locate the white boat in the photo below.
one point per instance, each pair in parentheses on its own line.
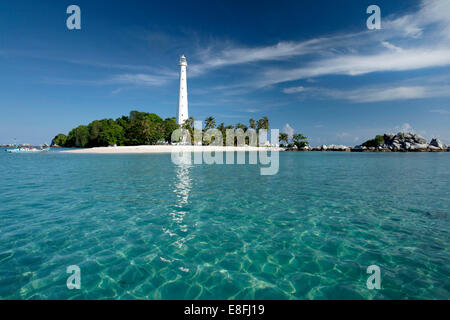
(27,150)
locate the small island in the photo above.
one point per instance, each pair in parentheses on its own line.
(142,132)
(389,142)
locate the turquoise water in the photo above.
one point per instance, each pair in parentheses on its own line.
(140,227)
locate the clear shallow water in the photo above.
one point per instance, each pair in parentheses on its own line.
(140,227)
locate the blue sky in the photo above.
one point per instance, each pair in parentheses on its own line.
(313,65)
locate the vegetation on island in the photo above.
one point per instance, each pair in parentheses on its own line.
(298,140)
(376,142)
(142,128)
(139,128)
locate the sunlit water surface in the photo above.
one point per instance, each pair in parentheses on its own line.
(140,227)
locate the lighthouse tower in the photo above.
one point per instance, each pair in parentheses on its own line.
(182,98)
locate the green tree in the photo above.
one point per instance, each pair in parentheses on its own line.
(259,125)
(252,123)
(111,133)
(59,140)
(284,137)
(210,123)
(262,124)
(266,123)
(299,140)
(221,127)
(241,126)
(170,125)
(189,125)
(106,132)
(95,128)
(378,141)
(144,128)
(78,137)
(123,121)
(224,133)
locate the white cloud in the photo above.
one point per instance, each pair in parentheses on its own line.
(294,90)
(407,25)
(389,94)
(213,58)
(390,46)
(350,54)
(400,46)
(440,111)
(406,127)
(361,64)
(343,134)
(432,13)
(140,79)
(378,94)
(117,91)
(289,130)
(216,57)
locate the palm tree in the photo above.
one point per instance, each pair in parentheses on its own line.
(284,137)
(222,128)
(260,124)
(252,123)
(241,126)
(210,123)
(189,123)
(224,133)
(300,140)
(266,123)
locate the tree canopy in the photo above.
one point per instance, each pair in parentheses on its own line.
(136,129)
(378,141)
(142,128)
(59,140)
(299,140)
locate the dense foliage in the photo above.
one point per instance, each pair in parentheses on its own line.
(378,141)
(136,129)
(59,140)
(142,128)
(300,140)
(284,137)
(210,123)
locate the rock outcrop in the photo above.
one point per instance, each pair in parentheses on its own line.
(331,147)
(404,142)
(437,143)
(389,142)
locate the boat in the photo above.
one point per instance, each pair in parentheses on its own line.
(30,149)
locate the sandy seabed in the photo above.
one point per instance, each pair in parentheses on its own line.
(168,149)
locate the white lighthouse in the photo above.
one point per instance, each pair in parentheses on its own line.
(182,98)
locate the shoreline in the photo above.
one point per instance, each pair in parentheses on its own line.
(166,149)
(152,149)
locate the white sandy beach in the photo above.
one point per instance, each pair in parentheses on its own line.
(167,149)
